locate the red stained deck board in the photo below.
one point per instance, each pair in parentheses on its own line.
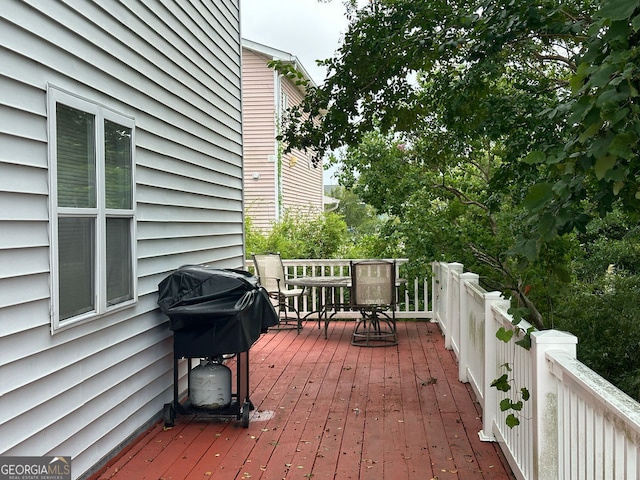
(328,410)
(336,443)
(354,434)
(415,437)
(302,392)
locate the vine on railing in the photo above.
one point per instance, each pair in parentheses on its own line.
(503,383)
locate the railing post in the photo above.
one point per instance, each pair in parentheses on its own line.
(463,322)
(490,394)
(436,290)
(451,269)
(545,401)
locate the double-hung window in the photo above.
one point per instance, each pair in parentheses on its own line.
(92,204)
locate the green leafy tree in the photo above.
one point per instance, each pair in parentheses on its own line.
(597,166)
(441,210)
(361,218)
(467,89)
(464,46)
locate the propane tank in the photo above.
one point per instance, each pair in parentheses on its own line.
(210,385)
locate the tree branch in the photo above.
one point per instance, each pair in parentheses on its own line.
(465,200)
(556,58)
(535,317)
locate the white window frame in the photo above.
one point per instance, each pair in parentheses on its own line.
(101,113)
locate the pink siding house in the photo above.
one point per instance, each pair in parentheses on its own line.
(274,182)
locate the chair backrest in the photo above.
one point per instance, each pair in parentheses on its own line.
(373,283)
(270,271)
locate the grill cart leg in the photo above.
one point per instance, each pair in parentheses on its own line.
(168,414)
(243,387)
(170,410)
(246,406)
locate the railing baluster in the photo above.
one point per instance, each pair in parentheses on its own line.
(412,309)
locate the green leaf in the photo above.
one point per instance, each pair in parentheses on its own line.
(502,383)
(525,342)
(538,195)
(506,366)
(621,144)
(618,10)
(602,76)
(602,165)
(616,116)
(617,187)
(529,249)
(504,335)
(616,174)
(577,80)
(505,404)
(590,131)
(525,394)
(512,421)
(600,146)
(611,96)
(517,406)
(534,158)
(518,314)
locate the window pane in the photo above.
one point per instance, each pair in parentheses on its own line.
(117,146)
(76,244)
(119,268)
(76,157)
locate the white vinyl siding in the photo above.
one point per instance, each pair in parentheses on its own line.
(174,67)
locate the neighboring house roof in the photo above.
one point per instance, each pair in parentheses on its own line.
(281,55)
(330,203)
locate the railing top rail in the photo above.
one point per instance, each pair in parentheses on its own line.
(327,262)
(476,289)
(610,398)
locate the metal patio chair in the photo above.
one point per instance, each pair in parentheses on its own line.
(270,271)
(373,294)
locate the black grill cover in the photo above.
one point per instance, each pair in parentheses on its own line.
(214,311)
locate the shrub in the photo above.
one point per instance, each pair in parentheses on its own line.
(299,236)
(606,324)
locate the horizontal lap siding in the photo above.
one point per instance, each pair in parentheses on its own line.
(302,190)
(175,67)
(259,138)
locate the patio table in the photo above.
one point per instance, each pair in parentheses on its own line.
(323,283)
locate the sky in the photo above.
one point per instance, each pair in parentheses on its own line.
(308,29)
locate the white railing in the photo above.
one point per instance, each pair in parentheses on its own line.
(575,425)
(413,296)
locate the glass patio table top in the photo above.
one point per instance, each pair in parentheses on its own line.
(326,298)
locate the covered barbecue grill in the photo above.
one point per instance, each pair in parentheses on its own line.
(213,313)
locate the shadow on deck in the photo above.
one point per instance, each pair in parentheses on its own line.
(325,409)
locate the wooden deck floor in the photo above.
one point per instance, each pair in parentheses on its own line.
(328,410)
